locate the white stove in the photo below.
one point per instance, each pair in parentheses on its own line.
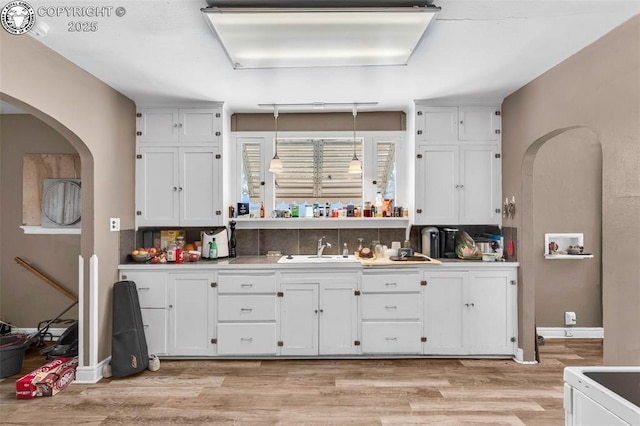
(601,396)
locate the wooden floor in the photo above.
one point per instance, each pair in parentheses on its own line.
(315,392)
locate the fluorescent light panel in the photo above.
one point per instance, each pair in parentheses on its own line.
(318,37)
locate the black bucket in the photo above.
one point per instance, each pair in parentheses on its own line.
(12,349)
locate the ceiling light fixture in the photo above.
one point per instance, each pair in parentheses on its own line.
(355,166)
(319,33)
(275,166)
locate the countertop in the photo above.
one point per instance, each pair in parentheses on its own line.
(271,262)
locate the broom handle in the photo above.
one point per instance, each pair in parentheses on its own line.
(46,279)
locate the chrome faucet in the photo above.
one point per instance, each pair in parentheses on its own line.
(322,246)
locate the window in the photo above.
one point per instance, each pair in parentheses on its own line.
(317,170)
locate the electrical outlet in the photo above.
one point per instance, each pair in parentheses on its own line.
(570,318)
(114,224)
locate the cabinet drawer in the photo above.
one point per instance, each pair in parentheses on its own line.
(391,283)
(155,330)
(391,337)
(247,339)
(152,295)
(391,306)
(246,284)
(247,308)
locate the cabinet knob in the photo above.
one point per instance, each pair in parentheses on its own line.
(316,311)
(175,125)
(461,186)
(180,125)
(175,188)
(321,310)
(246,309)
(179,188)
(170,306)
(466,304)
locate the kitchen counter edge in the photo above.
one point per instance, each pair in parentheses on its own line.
(267,262)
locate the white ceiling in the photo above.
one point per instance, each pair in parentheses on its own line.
(162,52)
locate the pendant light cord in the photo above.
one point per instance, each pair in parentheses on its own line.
(275,115)
(354,131)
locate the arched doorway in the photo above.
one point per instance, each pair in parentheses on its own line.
(87,234)
(550,170)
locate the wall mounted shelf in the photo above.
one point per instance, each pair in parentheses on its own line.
(564,240)
(50,231)
(321,223)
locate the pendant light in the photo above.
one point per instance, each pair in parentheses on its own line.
(355,166)
(275,166)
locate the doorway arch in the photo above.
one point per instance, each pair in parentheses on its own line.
(87,224)
(528,253)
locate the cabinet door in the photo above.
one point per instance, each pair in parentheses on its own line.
(299,319)
(158,125)
(480,185)
(157,187)
(151,286)
(191,314)
(443,313)
(437,185)
(154,322)
(437,124)
(338,318)
(200,188)
(479,123)
(199,125)
(491,316)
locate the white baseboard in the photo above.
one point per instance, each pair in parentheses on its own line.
(571,332)
(91,374)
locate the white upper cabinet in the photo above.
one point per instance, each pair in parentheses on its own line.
(178,186)
(179,125)
(438,124)
(479,123)
(458,166)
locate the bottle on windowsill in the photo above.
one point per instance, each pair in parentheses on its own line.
(262,209)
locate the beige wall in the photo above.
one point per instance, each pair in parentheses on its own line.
(25,300)
(599,88)
(99,122)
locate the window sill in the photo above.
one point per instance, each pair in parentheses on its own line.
(39,230)
(321,223)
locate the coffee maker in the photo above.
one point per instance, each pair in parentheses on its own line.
(448,242)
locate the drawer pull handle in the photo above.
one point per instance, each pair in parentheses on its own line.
(246,339)
(246,309)
(391,307)
(246,285)
(391,339)
(391,284)
(143,288)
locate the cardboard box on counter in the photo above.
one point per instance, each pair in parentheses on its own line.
(168,236)
(47,380)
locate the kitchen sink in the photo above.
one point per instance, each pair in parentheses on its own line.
(309,258)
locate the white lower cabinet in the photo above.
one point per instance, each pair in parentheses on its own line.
(191,325)
(152,295)
(246,314)
(469,312)
(450,310)
(390,312)
(319,317)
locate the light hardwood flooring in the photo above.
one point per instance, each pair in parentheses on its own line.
(316,392)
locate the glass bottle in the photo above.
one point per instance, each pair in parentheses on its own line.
(360,240)
(262,209)
(379,205)
(213,249)
(345,250)
(179,250)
